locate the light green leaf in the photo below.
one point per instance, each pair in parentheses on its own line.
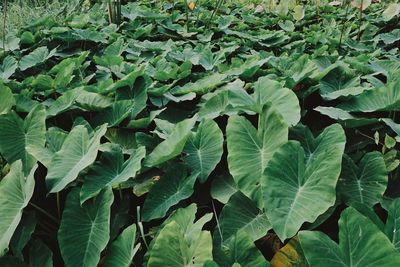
(364,184)
(84,230)
(36,57)
(181,242)
(11,42)
(293,180)
(361,243)
(123,249)
(173,145)
(298,12)
(7,99)
(240,213)
(204,149)
(78,151)
(361,4)
(391,11)
(201,86)
(384,98)
(8,67)
(250,149)
(172,187)
(240,251)
(345,118)
(15,192)
(17,136)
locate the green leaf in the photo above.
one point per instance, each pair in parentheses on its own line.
(17,136)
(173,145)
(294,179)
(11,42)
(40,255)
(111,170)
(223,187)
(392,227)
(8,67)
(365,183)
(7,99)
(123,249)
(172,187)
(15,192)
(391,11)
(78,151)
(201,86)
(390,142)
(345,118)
(240,213)
(240,251)
(204,149)
(361,243)
(250,149)
(23,233)
(84,230)
(384,98)
(36,57)
(181,242)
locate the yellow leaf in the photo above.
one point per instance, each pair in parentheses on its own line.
(291,255)
(192,5)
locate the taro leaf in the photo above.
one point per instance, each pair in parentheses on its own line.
(23,233)
(181,242)
(172,187)
(123,249)
(345,118)
(89,35)
(240,213)
(391,11)
(36,57)
(290,255)
(93,101)
(111,170)
(361,243)
(223,187)
(17,135)
(84,230)
(8,67)
(11,42)
(384,98)
(78,151)
(239,250)
(294,179)
(114,114)
(340,82)
(204,149)
(63,102)
(40,255)
(364,184)
(173,145)
(7,99)
(392,227)
(15,192)
(201,86)
(250,149)
(391,37)
(283,99)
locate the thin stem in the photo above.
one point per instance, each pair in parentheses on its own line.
(54,219)
(360,21)
(216,218)
(4,23)
(344,23)
(58,205)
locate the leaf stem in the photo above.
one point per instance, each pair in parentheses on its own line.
(54,219)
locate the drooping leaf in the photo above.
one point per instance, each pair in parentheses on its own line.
(204,149)
(8,67)
(361,243)
(17,136)
(365,183)
(240,213)
(172,187)
(293,180)
(23,233)
(111,170)
(123,249)
(16,190)
(84,230)
(40,255)
(250,149)
(78,151)
(36,57)
(173,145)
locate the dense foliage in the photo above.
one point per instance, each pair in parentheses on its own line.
(200,135)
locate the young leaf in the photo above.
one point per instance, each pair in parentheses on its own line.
(84,230)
